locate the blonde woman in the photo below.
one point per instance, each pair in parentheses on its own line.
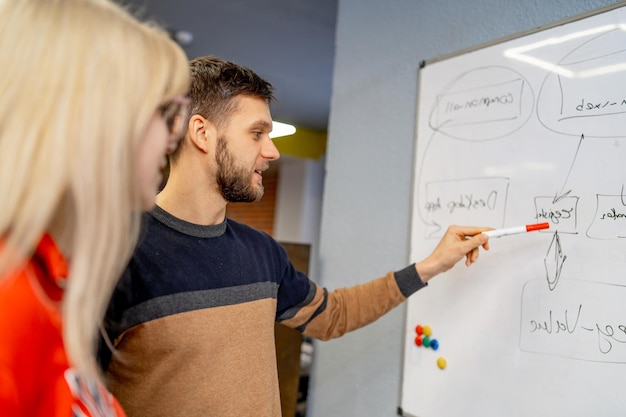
(90,103)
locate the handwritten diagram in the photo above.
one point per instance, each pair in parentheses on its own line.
(576,324)
(497,98)
(532,130)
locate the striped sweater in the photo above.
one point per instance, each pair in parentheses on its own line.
(192,319)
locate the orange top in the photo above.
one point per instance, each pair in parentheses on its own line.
(35,376)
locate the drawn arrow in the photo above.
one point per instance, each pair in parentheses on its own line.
(553,262)
(436,228)
(428,223)
(562,194)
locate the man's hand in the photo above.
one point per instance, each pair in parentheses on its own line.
(457,243)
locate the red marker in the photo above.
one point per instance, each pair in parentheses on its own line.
(516,230)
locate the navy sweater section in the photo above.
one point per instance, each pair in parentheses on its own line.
(226,264)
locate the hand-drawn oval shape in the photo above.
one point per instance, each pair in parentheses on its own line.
(582,94)
(497,98)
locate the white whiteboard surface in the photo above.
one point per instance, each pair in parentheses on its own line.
(528,130)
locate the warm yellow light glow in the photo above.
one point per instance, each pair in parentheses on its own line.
(281,129)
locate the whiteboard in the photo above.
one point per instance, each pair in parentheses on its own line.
(525,130)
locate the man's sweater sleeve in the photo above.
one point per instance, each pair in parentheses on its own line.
(331,314)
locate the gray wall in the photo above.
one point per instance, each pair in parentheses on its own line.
(367,193)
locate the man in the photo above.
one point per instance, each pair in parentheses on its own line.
(192,320)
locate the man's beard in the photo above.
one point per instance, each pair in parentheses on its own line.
(234,182)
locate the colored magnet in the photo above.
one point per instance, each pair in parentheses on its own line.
(419,329)
(427,330)
(426,341)
(434,344)
(441,362)
(418,341)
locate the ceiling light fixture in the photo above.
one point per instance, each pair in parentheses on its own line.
(182,37)
(281,129)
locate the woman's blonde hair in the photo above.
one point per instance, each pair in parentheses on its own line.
(80,81)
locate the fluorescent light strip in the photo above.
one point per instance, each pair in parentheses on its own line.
(519,53)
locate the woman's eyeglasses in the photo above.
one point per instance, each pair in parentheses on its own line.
(175,113)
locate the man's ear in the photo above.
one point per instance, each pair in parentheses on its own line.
(202,133)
